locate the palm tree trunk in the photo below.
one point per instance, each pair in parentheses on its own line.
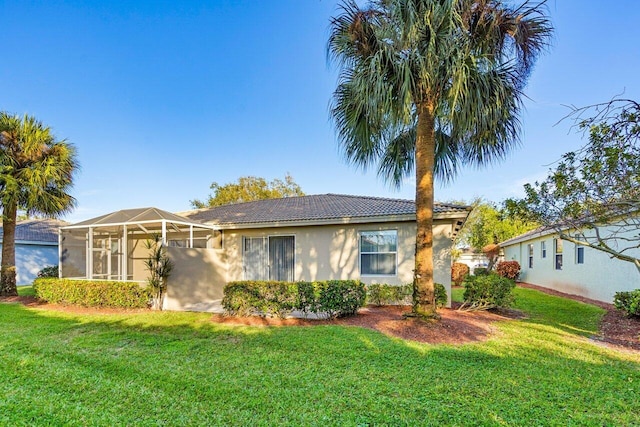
(423,286)
(8,269)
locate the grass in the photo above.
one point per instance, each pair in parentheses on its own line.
(181,369)
(26,291)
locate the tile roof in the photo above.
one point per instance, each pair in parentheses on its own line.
(37,230)
(320,207)
(533,234)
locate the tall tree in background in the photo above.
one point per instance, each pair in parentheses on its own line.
(489,224)
(247,189)
(36,173)
(435,85)
(592,196)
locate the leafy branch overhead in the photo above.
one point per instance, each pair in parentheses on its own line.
(592,197)
(247,189)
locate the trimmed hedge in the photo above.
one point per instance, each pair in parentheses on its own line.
(383,294)
(90,293)
(331,298)
(629,302)
(487,291)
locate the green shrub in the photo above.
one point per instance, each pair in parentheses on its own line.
(441,295)
(383,294)
(339,298)
(487,291)
(241,298)
(480,271)
(50,271)
(307,301)
(90,293)
(508,269)
(333,298)
(629,302)
(458,272)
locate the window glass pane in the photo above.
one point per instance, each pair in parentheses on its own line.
(559,262)
(558,246)
(378,241)
(175,243)
(200,243)
(580,255)
(378,252)
(378,264)
(543,246)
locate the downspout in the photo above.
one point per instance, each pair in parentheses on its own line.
(125,254)
(59,253)
(90,255)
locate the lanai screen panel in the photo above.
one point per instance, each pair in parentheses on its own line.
(113,246)
(73,253)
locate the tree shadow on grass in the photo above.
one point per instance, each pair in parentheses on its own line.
(181,368)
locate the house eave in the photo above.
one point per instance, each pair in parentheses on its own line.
(335,221)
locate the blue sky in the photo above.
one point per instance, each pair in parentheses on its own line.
(162,97)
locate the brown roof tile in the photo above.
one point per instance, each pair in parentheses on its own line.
(310,208)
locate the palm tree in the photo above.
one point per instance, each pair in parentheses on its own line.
(432,85)
(36,171)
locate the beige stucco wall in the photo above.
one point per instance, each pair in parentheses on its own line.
(331,251)
(197,279)
(599,277)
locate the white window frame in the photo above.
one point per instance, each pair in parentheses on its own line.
(543,249)
(579,248)
(530,254)
(360,253)
(556,253)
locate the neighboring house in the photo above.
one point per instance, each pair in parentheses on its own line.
(36,247)
(545,260)
(317,237)
(473,259)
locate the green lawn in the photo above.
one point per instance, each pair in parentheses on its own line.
(181,369)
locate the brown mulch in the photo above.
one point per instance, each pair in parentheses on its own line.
(454,327)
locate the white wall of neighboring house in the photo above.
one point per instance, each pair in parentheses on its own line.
(598,277)
(31,257)
(473,260)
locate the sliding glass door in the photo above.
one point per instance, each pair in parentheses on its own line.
(269,258)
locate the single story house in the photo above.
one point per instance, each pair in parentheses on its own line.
(36,247)
(550,262)
(317,237)
(472,259)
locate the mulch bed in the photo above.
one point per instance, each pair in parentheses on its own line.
(454,327)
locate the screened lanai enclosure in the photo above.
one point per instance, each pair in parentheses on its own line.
(113,246)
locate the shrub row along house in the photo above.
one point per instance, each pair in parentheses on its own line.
(317,237)
(551,262)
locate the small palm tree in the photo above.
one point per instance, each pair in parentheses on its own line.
(36,173)
(431,85)
(159,267)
